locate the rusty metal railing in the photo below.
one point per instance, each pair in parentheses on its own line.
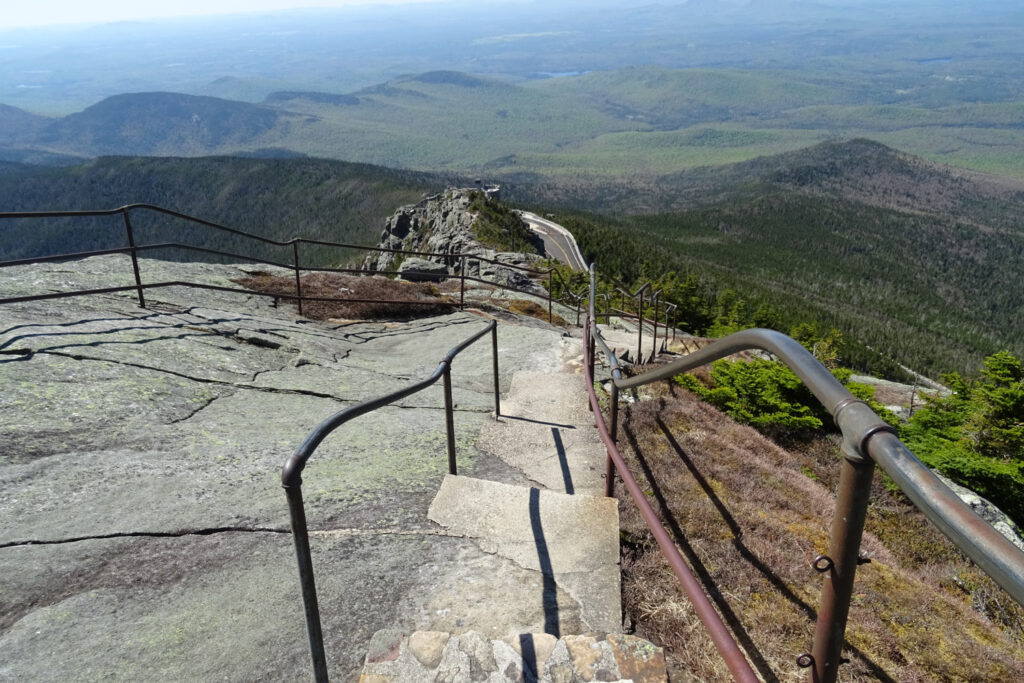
(291,476)
(133,249)
(866,440)
(731,653)
(637,297)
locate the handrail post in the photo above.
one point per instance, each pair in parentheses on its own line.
(462,284)
(494,359)
(550,285)
(589,341)
(609,468)
(298,281)
(640,328)
(135,257)
(615,414)
(654,343)
(840,566)
(449,417)
(300,535)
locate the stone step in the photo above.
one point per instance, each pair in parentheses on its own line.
(572,542)
(426,656)
(547,433)
(623,341)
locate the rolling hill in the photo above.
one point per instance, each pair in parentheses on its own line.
(276,198)
(917,261)
(595,127)
(169,124)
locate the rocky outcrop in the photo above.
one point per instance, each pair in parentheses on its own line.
(416,269)
(442,224)
(986,510)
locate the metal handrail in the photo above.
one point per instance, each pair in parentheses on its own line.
(867,439)
(291,475)
(992,551)
(725,644)
(132,249)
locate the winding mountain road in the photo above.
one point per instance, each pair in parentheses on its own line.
(558,242)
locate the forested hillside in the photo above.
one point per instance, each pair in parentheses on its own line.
(276,198)
(913,262)
(918,262)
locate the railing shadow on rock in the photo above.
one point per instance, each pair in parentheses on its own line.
(132,249)
(867,440)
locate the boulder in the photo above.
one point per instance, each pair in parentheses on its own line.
(421,270)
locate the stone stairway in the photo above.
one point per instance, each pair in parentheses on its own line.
(540,657)
(621,337)
(560,529)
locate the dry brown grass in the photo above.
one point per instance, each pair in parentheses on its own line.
(535,310)
(749,517)
(390,298)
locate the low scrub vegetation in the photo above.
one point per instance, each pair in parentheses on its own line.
(498,227)
(974,435)
(750,516)
(535,310)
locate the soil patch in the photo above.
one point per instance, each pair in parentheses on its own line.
(357,297)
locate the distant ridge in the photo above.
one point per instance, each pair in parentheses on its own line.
(278,198)
(318,97)
(599,127)
(452,78)
(859,170)
(161,123)
(17,124)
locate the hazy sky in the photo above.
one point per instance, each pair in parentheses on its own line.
(15,13)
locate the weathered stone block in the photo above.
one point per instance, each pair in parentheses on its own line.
(427,647)
(384,646)
(638,659)
(421,270)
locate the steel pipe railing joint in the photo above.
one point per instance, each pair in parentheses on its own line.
(291,473)
(858,423)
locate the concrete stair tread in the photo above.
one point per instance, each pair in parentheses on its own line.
(547,433)
(395,657)
(621,337)
(571,541)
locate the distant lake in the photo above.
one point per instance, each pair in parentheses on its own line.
(935,60)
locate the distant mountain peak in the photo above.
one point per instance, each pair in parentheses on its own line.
(163,123)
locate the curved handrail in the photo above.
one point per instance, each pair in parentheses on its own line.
(999,557)
(292,471)
(723,640)
(291,476)
(867,439)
